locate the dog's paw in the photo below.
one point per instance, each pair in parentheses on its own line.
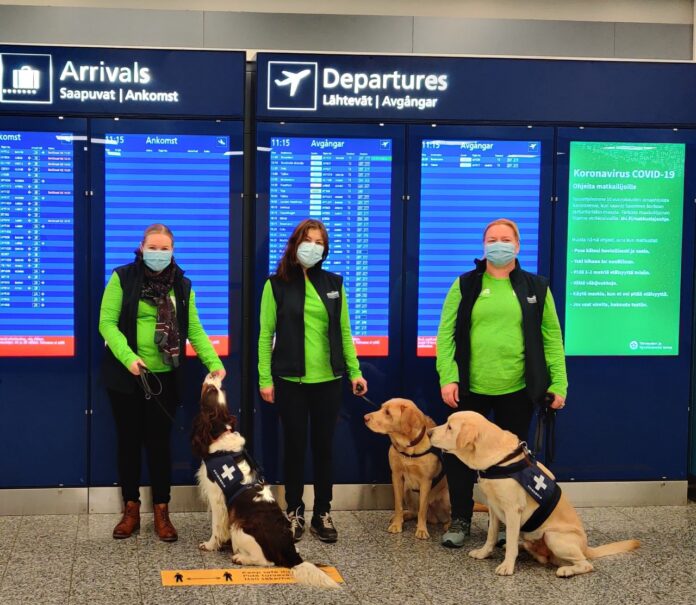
(422,533)
(505,569)
(237,560)
(480,553)
(565,572)
(395,527)
(210,545)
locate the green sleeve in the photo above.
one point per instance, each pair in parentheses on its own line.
(109,315)
(349,353)
(446,365)
(267,321)
(199,339)
(553,347)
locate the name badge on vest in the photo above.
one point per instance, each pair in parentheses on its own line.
(333,295)
(531,299)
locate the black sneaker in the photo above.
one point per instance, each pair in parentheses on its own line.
(323,528)
(297,524)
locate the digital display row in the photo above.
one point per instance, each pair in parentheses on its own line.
(182,181)
(464,186)
(36,244)
(345,183)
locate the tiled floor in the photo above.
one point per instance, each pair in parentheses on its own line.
(72,559)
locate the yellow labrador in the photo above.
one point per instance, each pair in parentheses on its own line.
(560,539)
(417,473)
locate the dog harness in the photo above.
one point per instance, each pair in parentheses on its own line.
(223,468)
(433,450)
(538,484)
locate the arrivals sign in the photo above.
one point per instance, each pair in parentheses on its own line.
(121,81)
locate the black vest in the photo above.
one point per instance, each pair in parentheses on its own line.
(531,293)
(114,374)
(288,353)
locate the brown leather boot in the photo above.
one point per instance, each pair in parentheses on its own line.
(163,526)
(129,522)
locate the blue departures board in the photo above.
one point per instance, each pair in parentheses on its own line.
(345,183)
(36,244)
(464,186)
(182,181)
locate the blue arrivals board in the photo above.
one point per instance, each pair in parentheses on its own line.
(36,244)
(182,181)
(345,183)
(465,184)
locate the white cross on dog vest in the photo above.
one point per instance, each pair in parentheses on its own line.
(539,485)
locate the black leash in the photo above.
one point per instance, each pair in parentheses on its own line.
(144,381)
(359,389)
(546,430)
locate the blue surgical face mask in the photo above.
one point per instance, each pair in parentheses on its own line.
(309,254)
(500,253)
(157,260)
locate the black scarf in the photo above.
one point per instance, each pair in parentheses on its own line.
(155,290)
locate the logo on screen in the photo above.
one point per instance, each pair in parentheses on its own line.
(26,78)
(292,85)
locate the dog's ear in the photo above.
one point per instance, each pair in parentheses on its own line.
(466,439)
(411,418)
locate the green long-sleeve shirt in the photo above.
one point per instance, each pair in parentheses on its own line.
(316,338)
(497,342)
(147,350)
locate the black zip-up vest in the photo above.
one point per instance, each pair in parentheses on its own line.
(531,293)
(114,374)
(288,353)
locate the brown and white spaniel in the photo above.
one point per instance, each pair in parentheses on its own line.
(243,507)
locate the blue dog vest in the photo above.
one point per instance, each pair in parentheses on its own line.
(538,484)
(223,469)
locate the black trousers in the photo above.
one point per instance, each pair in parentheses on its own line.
(512,412)
(142,422)
(304,406)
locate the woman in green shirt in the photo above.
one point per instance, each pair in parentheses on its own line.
(148,312)
(500,350)
(306,309)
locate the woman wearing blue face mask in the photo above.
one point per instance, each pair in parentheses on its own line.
(499,350)
(306,309)
(147,313)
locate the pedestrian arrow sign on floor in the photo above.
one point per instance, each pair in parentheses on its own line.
(244,575)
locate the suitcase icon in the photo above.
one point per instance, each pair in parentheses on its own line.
(27,78)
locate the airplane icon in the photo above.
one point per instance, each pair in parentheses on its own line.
(293,80)
(533,146)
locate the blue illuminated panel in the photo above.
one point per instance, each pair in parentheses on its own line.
(182,181)
(346,183)
(464,186)
(36,244)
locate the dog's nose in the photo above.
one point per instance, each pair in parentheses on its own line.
(366,418)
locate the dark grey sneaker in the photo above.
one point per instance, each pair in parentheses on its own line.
(297,524)
(457,533)
(323,528)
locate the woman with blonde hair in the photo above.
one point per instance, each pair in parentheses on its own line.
(499,350)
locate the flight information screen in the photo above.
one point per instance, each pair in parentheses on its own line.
(345,183)
(182,181)
(466,184)
(36,244)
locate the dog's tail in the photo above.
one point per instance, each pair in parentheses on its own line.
(613,548)
(309,574)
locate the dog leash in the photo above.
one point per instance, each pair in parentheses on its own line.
(359,389)
(144,382)
(546,430)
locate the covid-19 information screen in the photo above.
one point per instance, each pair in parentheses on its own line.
(345,183)
(466,184)
(182,181)
(623,277)
(36,244)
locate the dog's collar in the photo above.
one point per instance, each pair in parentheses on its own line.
(418,439)
(520,449)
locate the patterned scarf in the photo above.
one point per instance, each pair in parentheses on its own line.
(156,287)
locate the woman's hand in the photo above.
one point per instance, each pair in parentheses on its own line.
(134,368)
(268,394)
(450,394)
(558,401)
(359,386)
(219,374)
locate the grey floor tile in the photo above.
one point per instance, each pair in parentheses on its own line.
(9,527)
(41,576)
